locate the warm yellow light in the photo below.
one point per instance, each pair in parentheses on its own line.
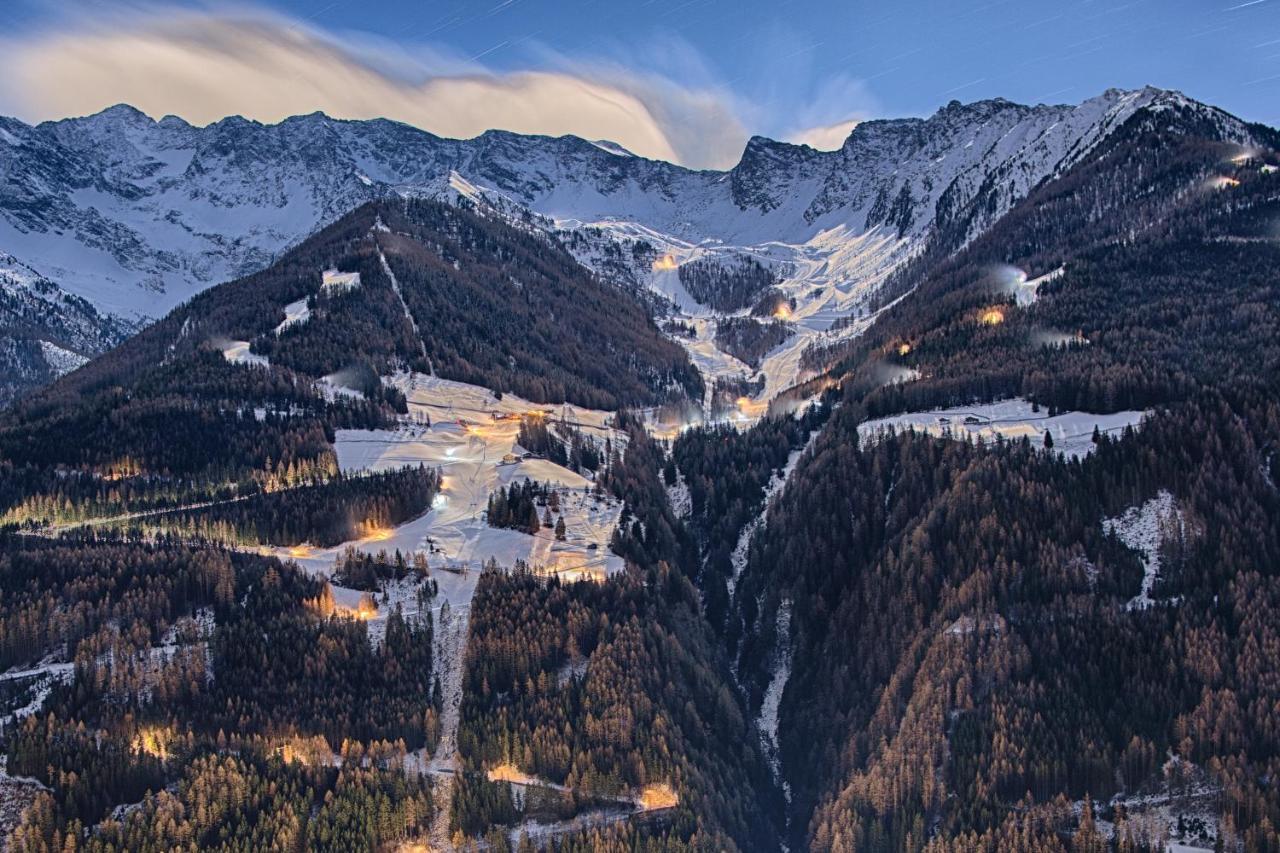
(903,349)
(507,772)
(993,317)
(299,551)
(749,408)
(782,312)
(666,262)
(366,608)
(376,533)
(153,741)
(660,796)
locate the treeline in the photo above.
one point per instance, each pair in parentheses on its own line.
(563,444)
(517,507)
(248,801)
(369,572)
(748,339)
(31,495)
(726,285)
(338,510)
(191,429)
(56,594)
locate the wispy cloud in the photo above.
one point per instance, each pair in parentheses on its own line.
(205,66)
(831,113)
(827,137)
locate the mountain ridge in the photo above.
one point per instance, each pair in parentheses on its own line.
(137,215)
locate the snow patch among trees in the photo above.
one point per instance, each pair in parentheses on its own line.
(1143,528)
(767,721)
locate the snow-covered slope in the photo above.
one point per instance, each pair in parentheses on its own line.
(136,215)
(44,331)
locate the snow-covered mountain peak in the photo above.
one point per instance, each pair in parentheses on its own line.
(137,215)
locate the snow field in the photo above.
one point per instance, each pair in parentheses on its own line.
(337,282)
(61,361)
(237,352)
(467,441)
(295,313)
(1009,419)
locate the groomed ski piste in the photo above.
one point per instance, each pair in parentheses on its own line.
(1011,420)
(471,439)
(829,277)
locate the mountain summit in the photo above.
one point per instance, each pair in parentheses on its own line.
(135,215)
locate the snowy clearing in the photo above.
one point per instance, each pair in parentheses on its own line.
(472,441)
(43,679)
(61,361)
(337,282)
(1014,419)
(1016,283)
(1179,818)
(295,313)
(16,793)
(237,352)
(1141,528)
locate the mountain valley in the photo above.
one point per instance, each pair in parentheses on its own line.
(366,489)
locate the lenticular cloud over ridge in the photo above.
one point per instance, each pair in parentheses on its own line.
(204,67)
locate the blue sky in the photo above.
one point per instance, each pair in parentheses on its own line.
(684,79)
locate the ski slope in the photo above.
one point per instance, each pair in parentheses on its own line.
(1010,420)
(467,441)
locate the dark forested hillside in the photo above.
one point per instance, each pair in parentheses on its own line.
(513,311)
(961,626)
(972,663)
(748,339)
(614,691)
(1166,282)
(212,690)
(166,420)
(727,285)
(461,294)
